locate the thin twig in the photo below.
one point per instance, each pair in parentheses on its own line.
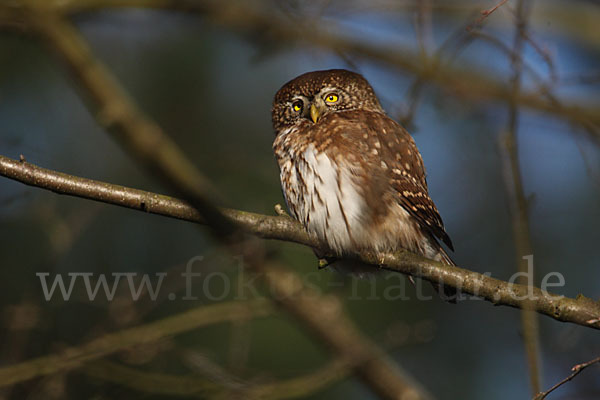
(545,54)
(485,14)
(581,311)
(576,370)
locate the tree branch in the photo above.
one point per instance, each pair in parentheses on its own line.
(196,386)
(151,382)
(576,370)
(75,356)
(581,311)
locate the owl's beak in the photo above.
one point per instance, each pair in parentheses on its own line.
(314,113)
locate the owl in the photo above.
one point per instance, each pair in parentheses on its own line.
(351,175)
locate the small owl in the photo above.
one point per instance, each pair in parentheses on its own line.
(349,173)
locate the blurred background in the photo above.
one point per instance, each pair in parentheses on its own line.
(206,72)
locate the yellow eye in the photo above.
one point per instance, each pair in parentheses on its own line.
(297,106)
(331,98)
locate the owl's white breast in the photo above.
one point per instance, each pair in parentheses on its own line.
(325,198)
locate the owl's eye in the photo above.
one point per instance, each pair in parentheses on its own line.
(331,98)
(297,106)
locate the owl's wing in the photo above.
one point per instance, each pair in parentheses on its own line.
(404,167)
(414,199)
(394,162)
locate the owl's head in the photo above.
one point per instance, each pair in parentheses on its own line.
(309,97)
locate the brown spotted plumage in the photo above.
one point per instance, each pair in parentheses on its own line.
(350,174)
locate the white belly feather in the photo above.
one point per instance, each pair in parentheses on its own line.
(327,202)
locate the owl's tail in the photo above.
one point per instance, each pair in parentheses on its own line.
(445,258)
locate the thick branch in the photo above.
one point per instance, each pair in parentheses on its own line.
(264,226)
(581,311)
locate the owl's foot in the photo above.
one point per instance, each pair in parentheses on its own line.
(379,259)
(323,263)
(280,211)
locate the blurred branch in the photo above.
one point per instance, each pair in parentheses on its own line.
(324,316)
(197,386)
(19,323)
(301,386)
(239,16)
(141,137)
(239,337)
(443,57)
(519,208)
(74,357)
(576,370)
(542,87)
(544,53)
(203,365)
(151,382)
(581,311)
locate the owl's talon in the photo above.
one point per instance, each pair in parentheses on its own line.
(280,211)
(322,263)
